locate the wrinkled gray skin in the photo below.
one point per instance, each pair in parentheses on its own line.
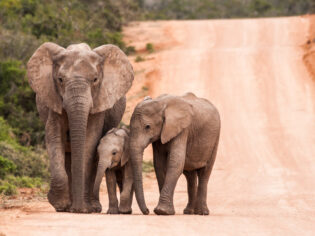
(113,153)
(80,95)
(184,132)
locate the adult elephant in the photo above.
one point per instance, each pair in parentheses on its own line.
(80,94)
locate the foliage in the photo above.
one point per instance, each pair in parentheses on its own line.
(11,183)
(205,9)
(6,167)
(29,161)
(149,47)
(147,166)
(20,166)
(17,103)
(7,188)
(139,59)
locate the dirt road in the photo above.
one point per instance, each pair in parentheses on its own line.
(263,182)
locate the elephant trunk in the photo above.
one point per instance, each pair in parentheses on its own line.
(78,103)
(136,162)
(103,164)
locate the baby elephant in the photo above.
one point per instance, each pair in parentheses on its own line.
(184,132)
(113,153)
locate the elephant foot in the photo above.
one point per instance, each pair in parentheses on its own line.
(96,206)
(164,210)
(201,210)
(125,210)
(81,208)
(61,204)
(189,211)
(112,210)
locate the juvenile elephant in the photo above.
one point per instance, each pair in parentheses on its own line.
(113,154)
(184,132)
(80,93)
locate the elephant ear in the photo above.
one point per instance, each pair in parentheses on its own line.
(40,75)
(117,77)
(177,116)
(126,153)
(124,133)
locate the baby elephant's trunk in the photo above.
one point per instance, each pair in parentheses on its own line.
(102,166)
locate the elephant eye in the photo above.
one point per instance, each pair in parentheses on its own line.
(60,79)
(147,127)
(95,80)
(114,153)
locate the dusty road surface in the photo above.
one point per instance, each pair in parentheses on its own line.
(263,181)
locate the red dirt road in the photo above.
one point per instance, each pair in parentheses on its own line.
(263,181)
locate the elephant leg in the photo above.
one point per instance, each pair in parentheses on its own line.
(160,163)
(119,180)
(175,166)
(94,200)
(111,189)
(94,134)
(201,207)
(59,194)
(191,177)
(68,170)
(127,192)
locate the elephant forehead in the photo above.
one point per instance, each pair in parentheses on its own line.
(148,109)
(79,68)
(111,141)
(77,59)
(84,66)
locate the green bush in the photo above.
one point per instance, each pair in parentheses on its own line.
(7,189)
(29,161)
(130,50)
(17,103)
(6,167)
(147,166)
(149,47)
(11,183)
(139,59)
(24,181)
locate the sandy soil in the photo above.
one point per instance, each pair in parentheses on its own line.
(263,180)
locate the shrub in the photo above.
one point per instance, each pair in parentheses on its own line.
(130,50)
(17,103)
(7,189)
(24,181)
(6,167)
(260,7)
(147,166)
(145,88)
(33,163)
(139,59)
(149,47)
(29,161)
(11,183)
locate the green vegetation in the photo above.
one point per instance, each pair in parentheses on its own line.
(147,166)
(26,24)
(209,9)
(149,47)
(139,59)
(6,167)
(20,166)
(145,88)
